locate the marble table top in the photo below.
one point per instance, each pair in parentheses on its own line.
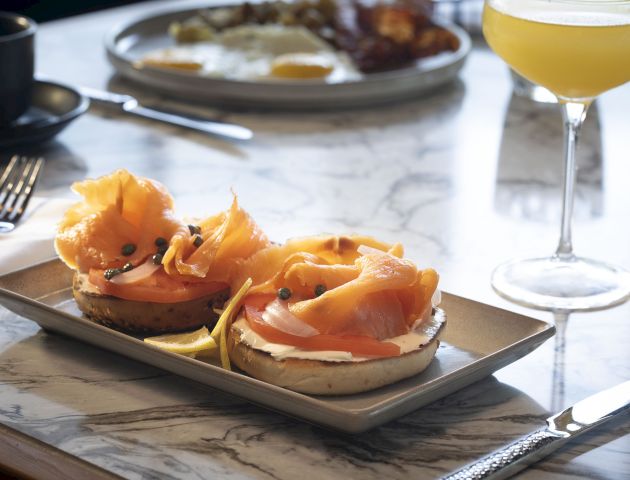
(465,178)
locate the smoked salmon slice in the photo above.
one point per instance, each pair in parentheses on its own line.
(117,210)
(224,240)
(370,303)
(366,288)
(266,266)
(122,212)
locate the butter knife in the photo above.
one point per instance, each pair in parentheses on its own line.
(566,425)
(130,105)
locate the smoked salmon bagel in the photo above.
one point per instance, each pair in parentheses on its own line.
(335,316)
(140,269)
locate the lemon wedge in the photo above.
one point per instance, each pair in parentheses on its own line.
(184,343)
(301,65)
(203,341)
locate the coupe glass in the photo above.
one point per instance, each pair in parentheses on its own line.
(577,49)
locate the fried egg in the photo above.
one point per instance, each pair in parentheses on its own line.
(260,53)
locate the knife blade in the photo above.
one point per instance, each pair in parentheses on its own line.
(562,427)
(130,105)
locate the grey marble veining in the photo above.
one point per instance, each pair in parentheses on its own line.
(466,178)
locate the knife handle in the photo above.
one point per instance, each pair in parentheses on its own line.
(511,459)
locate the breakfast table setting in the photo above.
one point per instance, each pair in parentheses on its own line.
(457,158)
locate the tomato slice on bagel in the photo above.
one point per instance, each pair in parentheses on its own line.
(157,288)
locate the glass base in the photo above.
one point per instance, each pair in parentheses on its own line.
(554,283)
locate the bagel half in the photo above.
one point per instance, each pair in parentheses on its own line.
(144,318)
(318,377)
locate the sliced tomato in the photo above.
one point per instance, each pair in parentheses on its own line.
(259,300)
(158,288)
(355,344)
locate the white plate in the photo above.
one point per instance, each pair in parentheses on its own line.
(128,43)
(479,340)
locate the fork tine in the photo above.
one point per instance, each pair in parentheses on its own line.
(29,187)
(7,171)
(12,176)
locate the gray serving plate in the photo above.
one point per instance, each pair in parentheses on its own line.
(479,340)
(128,43)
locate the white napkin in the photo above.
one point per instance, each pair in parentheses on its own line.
(32,240)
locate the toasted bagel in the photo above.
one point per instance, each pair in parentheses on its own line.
(318,377)
(145,318)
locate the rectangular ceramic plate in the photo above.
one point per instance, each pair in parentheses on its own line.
(479,340)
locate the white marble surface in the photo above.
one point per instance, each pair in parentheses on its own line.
(465,178)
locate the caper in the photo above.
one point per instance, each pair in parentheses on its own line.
(194,229)
(320,289)
(127,266)
(197,241)
(111,273)
(161,241)
(128,249)
(157,258)
(284,293)
(162,249)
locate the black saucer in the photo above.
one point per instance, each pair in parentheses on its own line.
(52,108)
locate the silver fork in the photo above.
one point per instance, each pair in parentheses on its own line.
(17,183)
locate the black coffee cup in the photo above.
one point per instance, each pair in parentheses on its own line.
(17,34)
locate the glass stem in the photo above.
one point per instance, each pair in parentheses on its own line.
(573,114)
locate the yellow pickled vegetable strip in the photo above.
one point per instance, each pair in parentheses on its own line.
(219,332)
(225,358)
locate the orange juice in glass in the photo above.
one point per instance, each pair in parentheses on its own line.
(577,49)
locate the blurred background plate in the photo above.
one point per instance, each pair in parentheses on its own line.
(128,43)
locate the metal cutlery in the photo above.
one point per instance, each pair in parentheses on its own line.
(562,427)
(17,183)
(130,105)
